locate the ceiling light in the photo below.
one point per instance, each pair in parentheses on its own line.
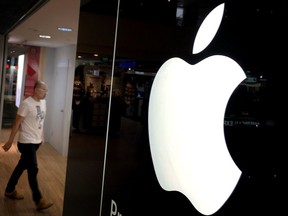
(64,29)
(44,36)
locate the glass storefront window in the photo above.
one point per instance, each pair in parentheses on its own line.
(119,173)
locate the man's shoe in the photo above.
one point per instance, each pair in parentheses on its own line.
(43,204)
(14,195)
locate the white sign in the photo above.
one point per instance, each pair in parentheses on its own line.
(186,132)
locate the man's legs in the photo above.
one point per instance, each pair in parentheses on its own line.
(27,161)
(10,188)
(20,167)
(15,177)
(32,169)
(29,157)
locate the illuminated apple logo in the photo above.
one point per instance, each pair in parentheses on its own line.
(186,123)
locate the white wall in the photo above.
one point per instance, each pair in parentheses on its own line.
(58,70)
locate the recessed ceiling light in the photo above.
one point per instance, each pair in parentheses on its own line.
(44,36)
(64,29)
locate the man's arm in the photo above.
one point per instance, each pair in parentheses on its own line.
(13,132)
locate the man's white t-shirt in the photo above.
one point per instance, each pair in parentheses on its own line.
(31,127)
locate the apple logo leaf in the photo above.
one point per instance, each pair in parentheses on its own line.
(208,29)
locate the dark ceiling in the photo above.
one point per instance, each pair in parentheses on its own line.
(150,10)
(13,12)
(247,24)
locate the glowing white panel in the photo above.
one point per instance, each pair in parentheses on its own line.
(186,125)
(186,113)
(20,79)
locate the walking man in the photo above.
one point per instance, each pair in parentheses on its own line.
(29,123)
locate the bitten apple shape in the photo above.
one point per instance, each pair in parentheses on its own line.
(186,131)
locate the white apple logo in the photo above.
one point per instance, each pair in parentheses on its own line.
(186,124)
